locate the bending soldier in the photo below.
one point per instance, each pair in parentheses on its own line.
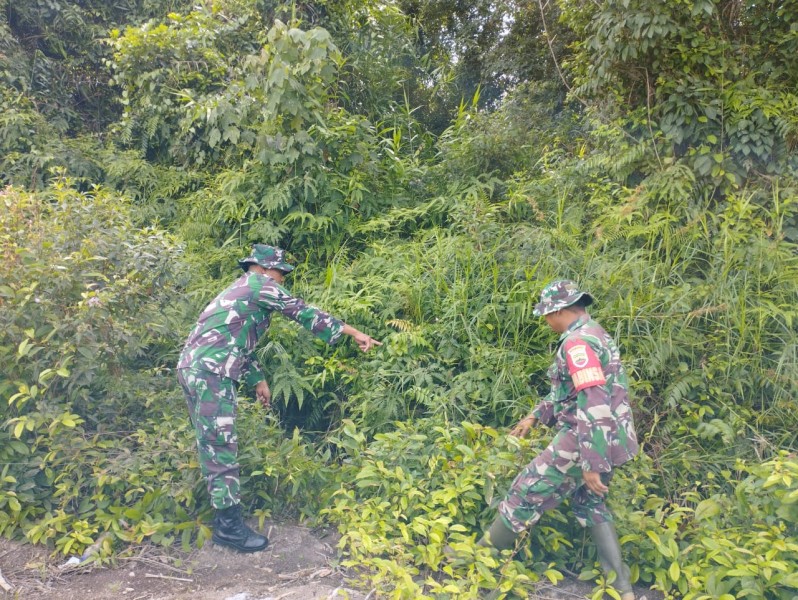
(219,353)
(588,405)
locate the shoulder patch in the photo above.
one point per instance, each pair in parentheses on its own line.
(583,365)
(578,356)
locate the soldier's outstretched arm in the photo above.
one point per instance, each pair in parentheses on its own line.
(364,341)
(321,324)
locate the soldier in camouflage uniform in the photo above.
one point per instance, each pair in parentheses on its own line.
(589,406)
(219,354)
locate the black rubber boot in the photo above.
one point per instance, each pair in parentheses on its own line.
(498,536)
(230,530)
(609,552)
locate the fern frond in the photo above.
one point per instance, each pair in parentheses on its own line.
(401,325)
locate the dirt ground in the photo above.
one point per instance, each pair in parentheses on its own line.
(299,564)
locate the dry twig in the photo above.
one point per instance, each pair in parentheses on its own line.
(298,574)
(155,562)
(156,576)
(4,584)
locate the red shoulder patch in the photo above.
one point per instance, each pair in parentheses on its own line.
(583,364)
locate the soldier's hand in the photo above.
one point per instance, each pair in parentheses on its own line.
(523,426)
(365,342)
(263,393)
(593,482)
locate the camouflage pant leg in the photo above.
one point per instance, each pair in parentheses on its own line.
(589,508)
(554,475)
(212,405)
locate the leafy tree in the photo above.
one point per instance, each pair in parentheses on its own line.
(709,83)
(484,47)
(54,94)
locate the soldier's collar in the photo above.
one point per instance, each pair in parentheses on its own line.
(582,320)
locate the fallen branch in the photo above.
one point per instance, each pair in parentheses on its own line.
(296,574)
(155,576)
(321,573)
(4,584)
(152,561)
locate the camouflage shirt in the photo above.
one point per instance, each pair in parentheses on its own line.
(589,393)
(229,328)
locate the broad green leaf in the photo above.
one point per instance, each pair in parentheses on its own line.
(707,509)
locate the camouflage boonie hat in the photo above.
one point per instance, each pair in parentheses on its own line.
(559,294)
(267,257)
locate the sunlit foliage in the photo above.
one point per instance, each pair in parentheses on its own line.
(430,166)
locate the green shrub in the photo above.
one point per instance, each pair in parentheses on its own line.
(734,536)
(410,492)
(88,318)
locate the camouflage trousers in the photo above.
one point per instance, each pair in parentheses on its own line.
(212,406)
(554,475)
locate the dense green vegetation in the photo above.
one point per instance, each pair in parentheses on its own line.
(430,165)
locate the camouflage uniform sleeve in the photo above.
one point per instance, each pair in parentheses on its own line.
(252,374)
(594,418)
(544,411)
(322,325)
(592,413)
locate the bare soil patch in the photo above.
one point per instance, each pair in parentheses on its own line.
(299,564)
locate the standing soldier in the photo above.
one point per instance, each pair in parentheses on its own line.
(589,406)
(219,353)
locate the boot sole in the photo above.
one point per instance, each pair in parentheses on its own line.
(241,549)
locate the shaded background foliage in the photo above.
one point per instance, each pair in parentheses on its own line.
(430,165)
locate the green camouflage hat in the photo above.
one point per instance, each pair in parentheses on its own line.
(557,295)
(267,257)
